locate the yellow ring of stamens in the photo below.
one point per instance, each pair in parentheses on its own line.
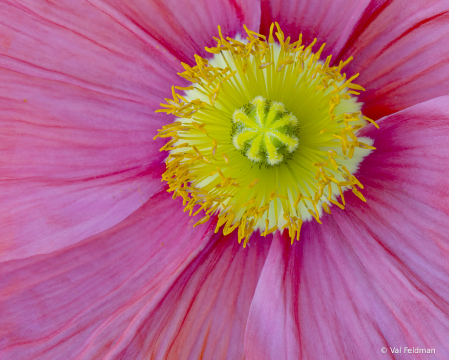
(236,118)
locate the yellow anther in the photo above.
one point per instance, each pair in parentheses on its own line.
(213,50)
(252,201)
(371,121)
(273,195)
(229,76)
(315,215)
(253,183)
(221,174)
(332,161)
(358,194)
(348,82)
(253,33)
(227,230)
(280,67)
(224,71)
(184,88)
(262,211)
(341,195)
(356,87)
(196,150)
(320,164)
(298,199)
(271,38)
(214,147)
(229,219)
(171,142)
(270,231)
(225,158)
(200,127)
(298,228)
(265,65)
(337,203)
(365,146)
(220,223)
(226,182)
(356,181)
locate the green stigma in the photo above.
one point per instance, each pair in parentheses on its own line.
(265,132)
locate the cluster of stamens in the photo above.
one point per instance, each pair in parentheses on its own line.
(259,103)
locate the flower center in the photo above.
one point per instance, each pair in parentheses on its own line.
(264,131)
(266,137)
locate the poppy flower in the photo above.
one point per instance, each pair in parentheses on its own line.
(99,262)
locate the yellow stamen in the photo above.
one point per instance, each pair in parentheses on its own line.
(243,147)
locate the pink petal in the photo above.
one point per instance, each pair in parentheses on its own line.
(79,302)
(184,27)
(80,84)
(203,315)
(77,156)
(330,21)
(400,50)
(376,274)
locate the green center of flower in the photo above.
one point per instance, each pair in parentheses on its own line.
(266,137)
(264,131)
